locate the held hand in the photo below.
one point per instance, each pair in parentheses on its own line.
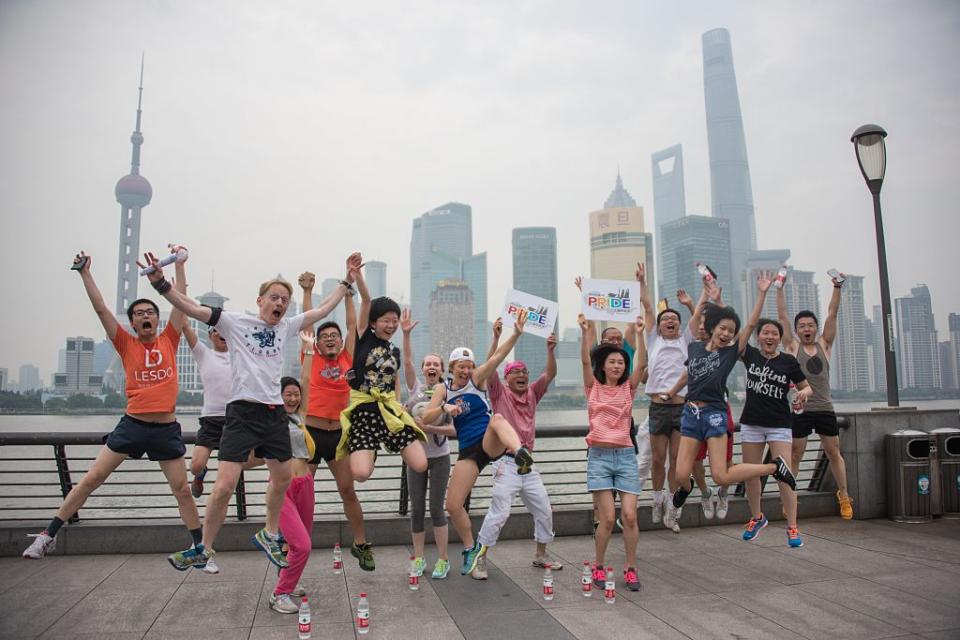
(354,262)
(640,324)
(151,260)
(578,282)
(82,262)
(406,323)
(452,410)
(497,328)
(641,273)
(684,298)
(551,342)
(181,251)
(837,282)
(714,293)
(764,280)
(306,280)
(520,321)
(583,323)
(664,397)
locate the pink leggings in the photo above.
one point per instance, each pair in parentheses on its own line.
(296,523)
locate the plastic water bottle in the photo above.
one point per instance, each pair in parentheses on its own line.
(337,559)
(414,579)
(586,580)
(363,615)
(705,272)
(836,275)
(180,255)
(781,278)
(795,403)
(609,588)
(304,620)
(547,583)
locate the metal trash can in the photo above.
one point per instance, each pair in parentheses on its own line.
(908,475)
(946,472)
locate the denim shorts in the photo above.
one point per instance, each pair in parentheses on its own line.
(613,469)
(702,423)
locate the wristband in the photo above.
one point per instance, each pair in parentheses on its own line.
(347,285)
(838,286)
(161,286)
(308,353)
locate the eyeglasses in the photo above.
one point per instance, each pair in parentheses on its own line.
(141,313)
(523,371)
(273,297)
(329,336)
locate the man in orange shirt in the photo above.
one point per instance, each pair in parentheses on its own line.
(150,425)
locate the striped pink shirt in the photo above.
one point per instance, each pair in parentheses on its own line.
(609,410)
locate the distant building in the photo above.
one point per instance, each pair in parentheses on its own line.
(852,359)
(917,350)
(29,379)
(4,379)
(375,273)
(953,326)
(948,371)
(569,369)
(669,200)
(688,240)
(78,376)
(800,290)
(535,272)
(878,350)
(451,308)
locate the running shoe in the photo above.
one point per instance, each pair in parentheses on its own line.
(364,555)
(441,569)
(298,591)
(283,603)
(524,461)
(599,577)
(753,527)
(211,567)
(846,506)
(783,473)
(419,564)
(631,580)
(675,527)
(196,485)
(541,562)
(793,537)
(680,497)
(723,502)
(42,545)
(657,512)
(670,516)
(480,571)
(706,503)
(270,545)
(470,557)
(195,556)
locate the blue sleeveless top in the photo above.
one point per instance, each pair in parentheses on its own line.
(472,422)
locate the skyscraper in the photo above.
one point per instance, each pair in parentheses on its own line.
(77,375)
(535,272)
(879,353)
(730,189)
(451,308)
(953,325)
(29,378)
(133,192)
(800,291)
(376,276)
(669,199)
(617,239)
(441,248)
(948,370)
(852,366)
(4,379)
(917,351)
(685,241)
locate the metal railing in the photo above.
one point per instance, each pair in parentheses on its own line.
(38,469)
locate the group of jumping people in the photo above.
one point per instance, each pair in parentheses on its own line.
(347,405)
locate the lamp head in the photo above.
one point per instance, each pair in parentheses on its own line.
(868,141)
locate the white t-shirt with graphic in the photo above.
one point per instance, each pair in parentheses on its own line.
(256,354)
(666,361)
(214,367)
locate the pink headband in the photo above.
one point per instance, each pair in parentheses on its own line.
(513,366)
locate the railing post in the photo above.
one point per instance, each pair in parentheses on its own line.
(404,491)
(63,471)
(241,498)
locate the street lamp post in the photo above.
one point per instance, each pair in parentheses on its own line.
(868,141)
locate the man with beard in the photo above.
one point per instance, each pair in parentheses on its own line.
(150,425)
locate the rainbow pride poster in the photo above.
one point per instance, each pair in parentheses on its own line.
(541,313)
(611,300)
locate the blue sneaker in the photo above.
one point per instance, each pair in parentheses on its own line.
(270,545)
(793,537)
(470,557)
(195,556)
(754,527)
(524,461)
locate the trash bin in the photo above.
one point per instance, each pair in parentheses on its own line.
(947,472)
(908,475)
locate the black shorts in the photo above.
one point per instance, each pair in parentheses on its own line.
(478,455)
(664,418)
(251,426)
(368,431)
(823,422)
(325,441)
(159,440)
(210,431)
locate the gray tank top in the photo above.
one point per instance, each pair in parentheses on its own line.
(817,370)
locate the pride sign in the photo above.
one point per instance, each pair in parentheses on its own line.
(616,300)
(541,313)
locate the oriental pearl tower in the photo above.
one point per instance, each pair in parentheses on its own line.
(133,192)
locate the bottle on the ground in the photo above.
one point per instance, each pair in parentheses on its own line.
(303,615)
(609,588)
(337,559)
(586,580)
(363,615)
(414,579)
(547,583)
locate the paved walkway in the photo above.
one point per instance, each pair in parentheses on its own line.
(869,579)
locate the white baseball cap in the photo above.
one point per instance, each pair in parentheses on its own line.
(461,353)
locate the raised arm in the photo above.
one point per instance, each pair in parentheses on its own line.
(190,335)
(789,340)
(587,338)
(177,319)
(829,333)
(764,280)
(645,301)
(640,353)
(107,319)
(330,303)
(350,315)
(187,305)
(697,314)
(495,342)
(307,280)
(306,368)
(407,325)
(481,373)
(551,369)
(361,282)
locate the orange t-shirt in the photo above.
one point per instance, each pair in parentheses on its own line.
(329,389)
(151,371)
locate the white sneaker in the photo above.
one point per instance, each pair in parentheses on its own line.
(670,515)
(480,571)
(706,503)
(723,504)
(42,545)
(657,511)
(675,527)
(298,591)
(283,603)
(211,567)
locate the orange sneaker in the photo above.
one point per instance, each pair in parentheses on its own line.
(846,506)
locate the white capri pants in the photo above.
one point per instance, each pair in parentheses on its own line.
(506,485)
(645,453)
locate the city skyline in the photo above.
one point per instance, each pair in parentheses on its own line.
(222,176)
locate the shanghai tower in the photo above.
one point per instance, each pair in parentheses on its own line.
(730,190)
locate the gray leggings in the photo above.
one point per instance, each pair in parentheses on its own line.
(439,471)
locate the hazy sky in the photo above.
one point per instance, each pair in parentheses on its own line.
(280,136)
